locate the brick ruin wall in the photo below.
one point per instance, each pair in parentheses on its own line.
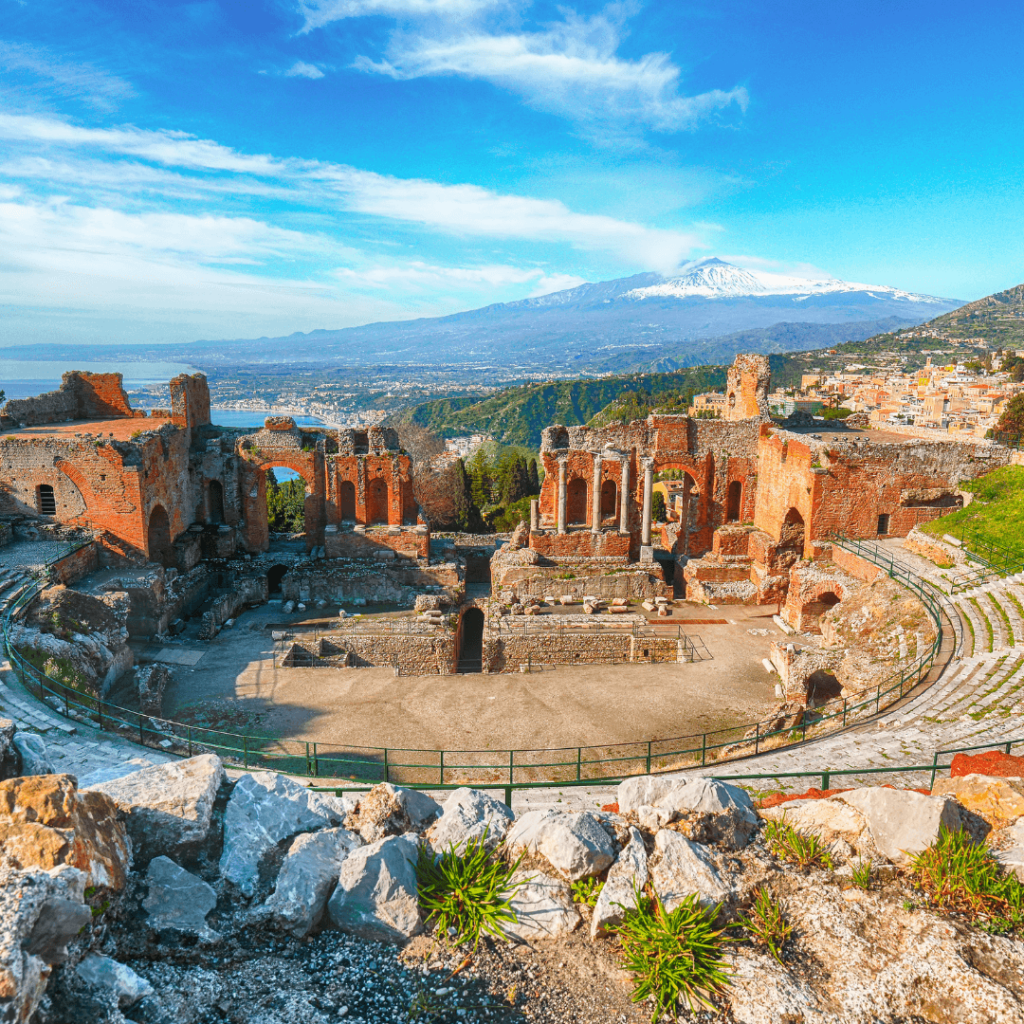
(414,655)
(845,487)
(81,396)
(748,381)
(637,584)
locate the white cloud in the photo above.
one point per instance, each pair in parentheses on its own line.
(571,69)
(419,274)
(462,210)
(300,69)
(83,81)
(318,13)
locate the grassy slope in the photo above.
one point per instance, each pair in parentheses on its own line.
(998,318)
(996,515)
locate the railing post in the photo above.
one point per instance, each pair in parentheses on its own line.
(245,751)
(190,741)
(826,778)
(845,699)
(757,737)
(878,697)
(385,764)
(316,763)
(703,749)
(648,757)
(511,770)
(442,767)
(935,761)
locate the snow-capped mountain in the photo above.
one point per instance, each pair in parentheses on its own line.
(713,278)
(704,313)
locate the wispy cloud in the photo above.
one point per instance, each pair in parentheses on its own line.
(318,13)
(571,69)
(430,277)
(300,69)
(463,210)
(95,86)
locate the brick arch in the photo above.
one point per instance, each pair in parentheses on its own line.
(159,543)
(378,501)
(254,497)
(577,504)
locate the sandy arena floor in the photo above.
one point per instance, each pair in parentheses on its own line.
(232,683)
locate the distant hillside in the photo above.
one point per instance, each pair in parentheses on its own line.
(998,318)
(517,415)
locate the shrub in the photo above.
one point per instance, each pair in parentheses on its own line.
(767,923)
(960,876)
(674,956)
(586,891)
(466,894)
(786,843)
(862,875)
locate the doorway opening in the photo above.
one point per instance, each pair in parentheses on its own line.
(471,641)
(275,574)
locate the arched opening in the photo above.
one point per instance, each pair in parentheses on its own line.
(376,502)
(286,501)
(215,502)
(734,501)
(275,574)
(347,501)
(46,500)
(471,641)
(810,616)
(576,502)
(609,493)
(791,536)
(822,687)
(159,537)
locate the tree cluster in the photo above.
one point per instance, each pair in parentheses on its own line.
(286,504)
(486,496)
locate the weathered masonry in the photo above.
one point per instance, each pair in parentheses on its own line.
(746,499)
(172,488)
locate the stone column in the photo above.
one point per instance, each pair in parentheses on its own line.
(595,498)
(561,495)
(645,537)
(624,497)
(534,515)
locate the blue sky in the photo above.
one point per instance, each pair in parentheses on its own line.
(174,171)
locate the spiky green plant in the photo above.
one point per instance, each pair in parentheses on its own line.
(586,891)
(960,876)
(862,875)
(467,894)
(800,848)
(675,957)
(767,923)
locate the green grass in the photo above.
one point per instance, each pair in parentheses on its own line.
(994,515)
(984,619)
(467,894)
(961,877)
(1006,621)
(675,957)
(862,875)
(799,848)
(586,891)
(766,922)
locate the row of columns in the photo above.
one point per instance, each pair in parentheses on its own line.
(624,496)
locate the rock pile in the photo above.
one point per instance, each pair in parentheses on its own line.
(144,896)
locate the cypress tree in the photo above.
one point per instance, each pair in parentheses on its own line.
(534,477)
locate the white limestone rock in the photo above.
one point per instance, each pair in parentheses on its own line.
(263,810)
(575,845)
(116,981)
(466,815)
(168,807)
(902,822)
(376,895)
(679,867)
(178,901)
(543,907)
(35,759)
(625,876)
(307,878)
(391,810)
(718,812)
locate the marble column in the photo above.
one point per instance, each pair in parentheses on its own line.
(561,495)
(645,537)
(624,497)
(595,498)
(534,515)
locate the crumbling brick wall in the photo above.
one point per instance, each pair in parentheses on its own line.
(81,396)
(746,391)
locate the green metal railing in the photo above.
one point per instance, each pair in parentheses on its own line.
(504,768)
